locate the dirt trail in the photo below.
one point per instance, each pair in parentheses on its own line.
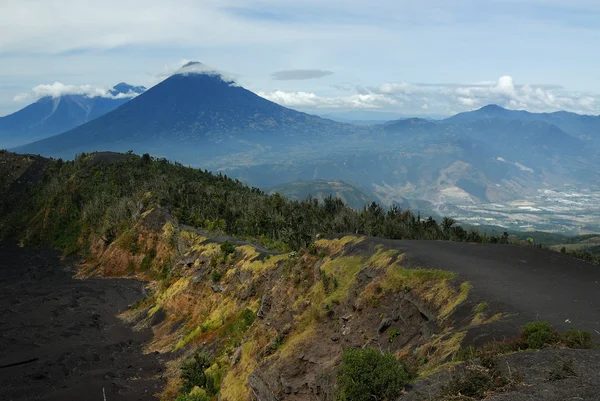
(61,336)
(531,284)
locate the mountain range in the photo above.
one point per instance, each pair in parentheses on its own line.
(50,116)
(201,118)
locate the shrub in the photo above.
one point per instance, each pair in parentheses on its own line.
(216,276)
(574,338)
(227,248)
(194,375)
(370,375)
(537,335)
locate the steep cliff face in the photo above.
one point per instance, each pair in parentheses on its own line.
(275,325)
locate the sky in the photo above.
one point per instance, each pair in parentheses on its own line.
(376,57)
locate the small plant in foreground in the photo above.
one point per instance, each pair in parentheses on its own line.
(574,338)
(537,335)
(563,370)
(477,381)
(370,375)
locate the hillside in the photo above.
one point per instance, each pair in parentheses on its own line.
(239,321)
(50,116)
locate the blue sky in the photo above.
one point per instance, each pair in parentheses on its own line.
(409,58)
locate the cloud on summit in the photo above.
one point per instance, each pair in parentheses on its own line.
(291,75)
(58,89)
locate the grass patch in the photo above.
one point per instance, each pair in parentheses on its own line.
(334,246)
(235,384)
(172,290)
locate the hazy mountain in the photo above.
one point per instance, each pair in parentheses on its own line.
(584,127)
(53,115)
(194,116)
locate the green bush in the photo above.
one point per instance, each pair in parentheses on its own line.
(193,374)
(537,335)
(216,276)
(227,248)
(574,338)
(370,375)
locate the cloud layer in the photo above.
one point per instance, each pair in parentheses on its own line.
(58,89)
(311,100)
(291,75)
(420,98)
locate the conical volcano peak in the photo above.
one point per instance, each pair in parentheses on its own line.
(191,63)
(124,88)
(195,67)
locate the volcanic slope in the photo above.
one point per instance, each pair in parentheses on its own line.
(50,116)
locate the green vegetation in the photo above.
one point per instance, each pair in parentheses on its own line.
(535,335)
(227,249)
(578,339)
(88,195)
(193,374)
(393,334)
(370,375)
(234,330)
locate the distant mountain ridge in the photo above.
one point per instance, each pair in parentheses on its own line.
(582,126)
(200,117)
(50,116)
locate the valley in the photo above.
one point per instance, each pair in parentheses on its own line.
(568,211)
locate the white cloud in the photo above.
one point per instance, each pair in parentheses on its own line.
(311,100)
(195,67)
(440,99)
(453,98)
(58,89)
(21,97)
